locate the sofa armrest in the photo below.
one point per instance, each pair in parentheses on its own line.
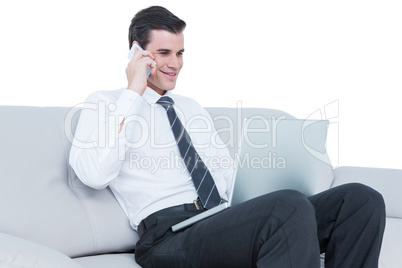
(386,181)
(17,252)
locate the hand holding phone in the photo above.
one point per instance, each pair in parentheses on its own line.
(140,67)
(131,54)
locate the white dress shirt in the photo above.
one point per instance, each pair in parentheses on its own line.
(142,164)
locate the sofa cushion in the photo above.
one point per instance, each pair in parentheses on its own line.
(17,252)
(41,199)
(108,260)
(391,245)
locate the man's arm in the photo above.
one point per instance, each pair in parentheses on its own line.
(99,145)
(100,140)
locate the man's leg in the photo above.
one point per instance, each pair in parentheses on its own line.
(351,222)
(275,230)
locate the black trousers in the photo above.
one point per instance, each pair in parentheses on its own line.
(279,230)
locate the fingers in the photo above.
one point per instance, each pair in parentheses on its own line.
(138,54)
(153,67)
(144,57)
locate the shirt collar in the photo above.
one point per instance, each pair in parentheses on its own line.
(152,97)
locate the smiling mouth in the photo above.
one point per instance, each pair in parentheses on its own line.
(172,74)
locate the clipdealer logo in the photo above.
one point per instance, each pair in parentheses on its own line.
(228,134)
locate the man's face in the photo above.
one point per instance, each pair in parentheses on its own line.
(167,49)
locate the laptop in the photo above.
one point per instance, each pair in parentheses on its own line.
(273,155)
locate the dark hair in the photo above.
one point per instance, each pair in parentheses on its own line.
(153,18)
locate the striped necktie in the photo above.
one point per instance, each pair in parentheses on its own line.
(202,179)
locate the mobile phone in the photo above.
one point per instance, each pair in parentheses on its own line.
(131,54)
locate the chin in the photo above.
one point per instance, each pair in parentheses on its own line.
(161,88)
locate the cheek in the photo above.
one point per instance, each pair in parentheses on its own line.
(159,62)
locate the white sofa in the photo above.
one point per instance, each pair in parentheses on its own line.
(48,218)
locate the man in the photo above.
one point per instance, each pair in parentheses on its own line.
(139,125)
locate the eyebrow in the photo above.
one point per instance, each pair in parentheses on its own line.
(168,50)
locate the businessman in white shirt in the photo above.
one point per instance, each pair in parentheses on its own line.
(125,140)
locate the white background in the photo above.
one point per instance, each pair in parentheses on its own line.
(340,58)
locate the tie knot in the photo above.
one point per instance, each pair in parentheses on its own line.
(165,101)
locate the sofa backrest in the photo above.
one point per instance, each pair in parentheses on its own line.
(43,201)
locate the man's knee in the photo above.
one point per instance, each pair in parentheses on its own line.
(365,197)
(294,198)
(295,204)
(365,192)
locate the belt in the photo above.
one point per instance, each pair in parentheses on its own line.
(151,220)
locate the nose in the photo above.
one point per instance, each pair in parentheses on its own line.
(175,62)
